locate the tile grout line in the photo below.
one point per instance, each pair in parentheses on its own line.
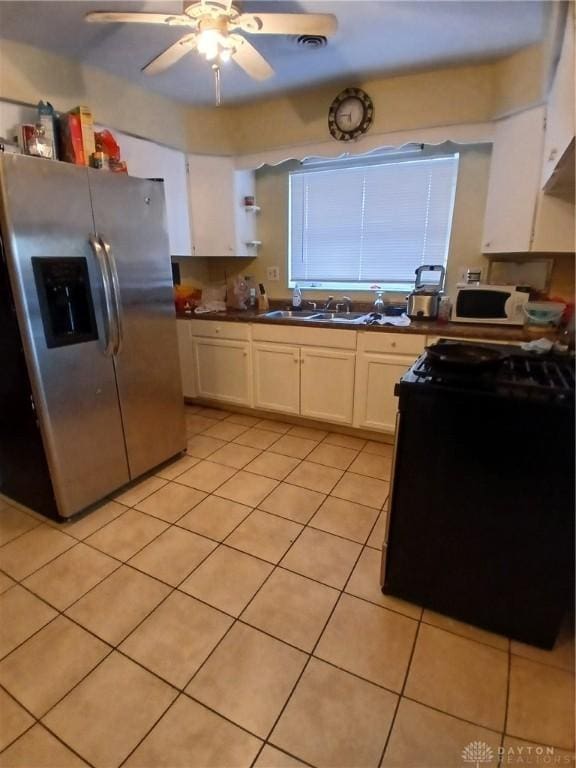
(127,562)
(235,619)
(121,563)
(311,653)
(506,701)
(400,695)
(54,735)
(217,645)
(112,647)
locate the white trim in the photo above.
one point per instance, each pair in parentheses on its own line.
(475,133)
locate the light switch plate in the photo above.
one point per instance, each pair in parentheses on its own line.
(273,274)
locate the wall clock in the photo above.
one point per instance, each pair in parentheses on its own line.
(350,115)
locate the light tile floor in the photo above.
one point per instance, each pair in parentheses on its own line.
(226,612)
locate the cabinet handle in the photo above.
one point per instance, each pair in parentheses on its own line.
(296,359)
(393,344)
(217,330)
(245,353)
(553,153)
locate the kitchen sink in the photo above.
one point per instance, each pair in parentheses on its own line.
(336,317)
(359,318)
(321,317)
(287,314)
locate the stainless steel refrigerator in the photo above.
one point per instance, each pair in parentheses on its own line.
(90,389)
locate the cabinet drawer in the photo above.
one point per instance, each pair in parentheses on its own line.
(310,337)
(212,329)
(400,343)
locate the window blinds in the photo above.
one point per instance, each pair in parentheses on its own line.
(372,224)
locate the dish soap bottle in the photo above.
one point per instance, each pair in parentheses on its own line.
(297,298)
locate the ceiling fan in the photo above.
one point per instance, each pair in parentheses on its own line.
(216,26)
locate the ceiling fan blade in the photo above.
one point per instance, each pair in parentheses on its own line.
(288,23)
(251,61)
(171,55)
(139,18)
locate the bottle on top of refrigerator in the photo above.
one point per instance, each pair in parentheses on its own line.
(296,298)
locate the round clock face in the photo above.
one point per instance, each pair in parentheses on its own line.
(351,114)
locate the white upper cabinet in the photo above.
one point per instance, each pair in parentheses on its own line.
(560,116)
(515,171)
(220,222)
(148,160)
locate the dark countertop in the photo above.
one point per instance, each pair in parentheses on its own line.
(427,328)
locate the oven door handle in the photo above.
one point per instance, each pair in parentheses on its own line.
(108,304)
(116,298)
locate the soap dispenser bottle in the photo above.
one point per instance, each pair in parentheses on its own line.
(297,298)
(379,302)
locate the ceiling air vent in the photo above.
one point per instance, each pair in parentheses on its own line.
(311,41)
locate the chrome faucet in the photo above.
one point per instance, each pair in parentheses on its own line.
(312,304)
(326,306)
(345,301)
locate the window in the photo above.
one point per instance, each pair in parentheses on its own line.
(354,226)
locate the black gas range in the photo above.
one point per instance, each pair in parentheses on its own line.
(481,517)
(523,375)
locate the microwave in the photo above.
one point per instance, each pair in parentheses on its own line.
(498,304)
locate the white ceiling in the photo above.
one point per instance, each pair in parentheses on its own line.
(375,37)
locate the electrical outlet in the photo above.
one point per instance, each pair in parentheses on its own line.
(273,274)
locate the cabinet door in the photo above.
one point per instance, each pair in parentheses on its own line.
(223,370)
(148,160)
(560,117)
(514,182)
(211,193)
(187,362)
(376,375)
(327,384)
(276,377)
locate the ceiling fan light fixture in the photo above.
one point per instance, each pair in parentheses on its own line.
(209,43)
(214,44)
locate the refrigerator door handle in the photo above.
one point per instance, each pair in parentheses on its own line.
(110,330)
(115,294)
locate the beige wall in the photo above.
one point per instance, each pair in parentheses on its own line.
(441,97)
(562,281)
(452,95)
(272,195)
(521,80)
(28,74)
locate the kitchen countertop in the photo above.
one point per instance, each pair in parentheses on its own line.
(426,328)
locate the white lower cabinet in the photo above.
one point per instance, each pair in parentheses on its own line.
(187,361)
(276,377)
(376,376)
(224,370)
(257,366)
(327,384)
(382,359)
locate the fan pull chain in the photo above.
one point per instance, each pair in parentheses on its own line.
(217,84)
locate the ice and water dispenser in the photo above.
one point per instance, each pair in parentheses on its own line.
(65,297)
